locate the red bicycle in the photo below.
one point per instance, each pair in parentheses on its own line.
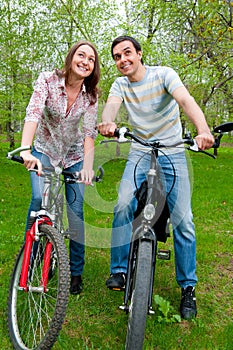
(39,286)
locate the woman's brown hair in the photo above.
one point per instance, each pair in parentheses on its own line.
(92,80)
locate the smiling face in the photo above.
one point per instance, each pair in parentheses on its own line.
(128,60)
(83,61)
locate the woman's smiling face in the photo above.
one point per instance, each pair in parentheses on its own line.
(83,61)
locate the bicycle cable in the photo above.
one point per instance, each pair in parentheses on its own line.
(172,165)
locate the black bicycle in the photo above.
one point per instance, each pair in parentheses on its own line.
(149,227)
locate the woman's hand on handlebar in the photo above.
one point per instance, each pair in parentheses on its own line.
(107,128)
(31,162)
(86,176)
(204,140)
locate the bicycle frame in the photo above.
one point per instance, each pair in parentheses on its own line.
(51,214)
(43,216)
(144,232)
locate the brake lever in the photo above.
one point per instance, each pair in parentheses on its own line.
(208,154)
(99,177)
(120,134)
(194,148)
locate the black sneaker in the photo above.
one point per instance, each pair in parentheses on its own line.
(188,308)
(76,285)
(116,281)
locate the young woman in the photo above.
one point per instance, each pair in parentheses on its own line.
(61,118)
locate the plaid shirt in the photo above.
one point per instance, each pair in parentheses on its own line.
(60,133)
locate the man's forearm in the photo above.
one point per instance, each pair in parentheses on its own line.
(196,116)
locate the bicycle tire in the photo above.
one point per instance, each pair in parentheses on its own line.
(138,308)
(35,319)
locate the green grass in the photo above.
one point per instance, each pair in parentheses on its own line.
(93,320)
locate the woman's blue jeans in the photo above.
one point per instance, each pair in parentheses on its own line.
(74,199)
(179,203)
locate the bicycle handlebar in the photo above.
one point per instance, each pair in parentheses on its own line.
(123,132)
(73,176)
(11,155)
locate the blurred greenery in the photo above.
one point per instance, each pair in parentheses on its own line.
(93,319)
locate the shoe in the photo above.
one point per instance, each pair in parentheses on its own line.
(188,308)
(116,281)
(76,285)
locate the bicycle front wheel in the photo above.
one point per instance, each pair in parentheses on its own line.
(35,316)
(138,308)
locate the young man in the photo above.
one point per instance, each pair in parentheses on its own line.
(152,96)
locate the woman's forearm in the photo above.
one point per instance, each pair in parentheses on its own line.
(28,134)
(88,153)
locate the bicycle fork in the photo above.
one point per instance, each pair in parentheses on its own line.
(139,235)
(31,237)
(144,232)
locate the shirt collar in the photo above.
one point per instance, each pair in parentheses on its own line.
(61,85)
(84,90)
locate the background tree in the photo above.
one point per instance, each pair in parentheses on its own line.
(193,37)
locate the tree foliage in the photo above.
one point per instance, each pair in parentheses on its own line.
(194,37)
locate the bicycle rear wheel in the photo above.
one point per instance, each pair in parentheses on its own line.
(35,316)
(138,308)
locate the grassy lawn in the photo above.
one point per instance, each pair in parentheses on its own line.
(93,319)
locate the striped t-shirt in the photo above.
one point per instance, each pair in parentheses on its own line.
(152,111)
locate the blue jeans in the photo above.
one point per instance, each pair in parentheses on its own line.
(179,203)
(74,198)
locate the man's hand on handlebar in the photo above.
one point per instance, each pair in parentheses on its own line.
(107,128)
(30,162)
(204,140)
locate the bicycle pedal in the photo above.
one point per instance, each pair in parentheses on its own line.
(124,308)
(164,254)
(151,311)
(117,289)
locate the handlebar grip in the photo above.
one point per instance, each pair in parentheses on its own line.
(73,177)
(217,141)
(117,133)
(17,159)
(20,160)
(216,144)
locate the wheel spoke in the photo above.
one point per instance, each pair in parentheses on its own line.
(36,315)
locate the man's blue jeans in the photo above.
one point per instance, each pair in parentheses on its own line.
(74,199)
(179,203)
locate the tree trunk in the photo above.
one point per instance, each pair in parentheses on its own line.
(10,135)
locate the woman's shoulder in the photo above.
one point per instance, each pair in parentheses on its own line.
(51,76)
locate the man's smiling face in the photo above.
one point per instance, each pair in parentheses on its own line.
(127,59)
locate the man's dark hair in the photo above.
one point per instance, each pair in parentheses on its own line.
(121,38)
